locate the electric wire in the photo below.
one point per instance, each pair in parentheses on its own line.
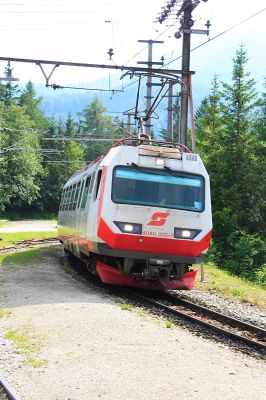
(199,46)
(221,33)
(202,44)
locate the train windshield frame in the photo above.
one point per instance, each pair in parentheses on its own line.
(158,188)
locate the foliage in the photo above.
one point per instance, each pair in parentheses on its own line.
(176,119)
(248,255)
(230,139)
(21,162)
(93,123)
(72,155)
(8,90)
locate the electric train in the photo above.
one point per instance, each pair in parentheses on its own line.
(140,215)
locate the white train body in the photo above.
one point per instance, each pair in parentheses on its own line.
(140,216)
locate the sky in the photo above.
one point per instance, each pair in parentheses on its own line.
(84,30)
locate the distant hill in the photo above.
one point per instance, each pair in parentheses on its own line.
(60,102)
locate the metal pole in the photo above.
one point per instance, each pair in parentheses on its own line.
(170,114)
(129,123)
(185,75)
(149,84)
(193,136)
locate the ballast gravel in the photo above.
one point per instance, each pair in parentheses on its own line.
(82,345)
(244,312)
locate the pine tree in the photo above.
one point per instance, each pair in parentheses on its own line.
(32,105)
(239,108)
(209,132)
(229,140)
(176,119)
(70,126)
(93,122)
(9,91)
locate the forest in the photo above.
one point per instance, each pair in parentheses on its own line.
(39,153)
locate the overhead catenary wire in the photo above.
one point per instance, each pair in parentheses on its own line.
(220,34)
(82,139)
(206,42)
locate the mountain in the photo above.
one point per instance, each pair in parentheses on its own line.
(60,102)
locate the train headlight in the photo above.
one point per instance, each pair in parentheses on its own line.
(160,161)
(128,227)
(183,233)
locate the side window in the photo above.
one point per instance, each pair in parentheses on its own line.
(71,206)
(62,201)
(80,195)
(68,198)
(98,184)
(85,192)
(76,196)
(92,182)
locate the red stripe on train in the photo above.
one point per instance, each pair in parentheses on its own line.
(146,244)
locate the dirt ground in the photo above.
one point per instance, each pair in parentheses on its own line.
(81,345)
(29,226)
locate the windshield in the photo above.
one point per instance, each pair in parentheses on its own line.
(168,189)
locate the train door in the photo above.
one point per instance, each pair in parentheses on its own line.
(82,205)
(93,223)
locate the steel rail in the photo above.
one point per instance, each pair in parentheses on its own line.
(28,243)
(258,345)
(219,316)
(9,391)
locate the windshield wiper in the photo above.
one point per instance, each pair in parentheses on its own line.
(137,167)
(170,171)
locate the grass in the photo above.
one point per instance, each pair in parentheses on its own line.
(20,216)
(169,324)
(125,306)
(3,222)
(4,313)
(8,239)
(67,270)
(19,257)
(230,286)
(27,346)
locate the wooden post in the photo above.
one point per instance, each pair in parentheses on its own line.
(202,275)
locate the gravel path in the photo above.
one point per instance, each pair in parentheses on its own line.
(82,345)
(29,226)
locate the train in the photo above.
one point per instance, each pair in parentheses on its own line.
(139,215)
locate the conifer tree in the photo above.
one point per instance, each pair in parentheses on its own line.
(32,104)
(93,122)
(176,119)
(9,91)
(70,126)
(239,108)
(229,140)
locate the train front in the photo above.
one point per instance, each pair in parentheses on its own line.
(154,218)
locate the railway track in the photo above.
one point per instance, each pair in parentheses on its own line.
(6,391)
(224,326)
(27,244)
(246,336)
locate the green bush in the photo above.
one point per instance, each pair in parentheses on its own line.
(248,256)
